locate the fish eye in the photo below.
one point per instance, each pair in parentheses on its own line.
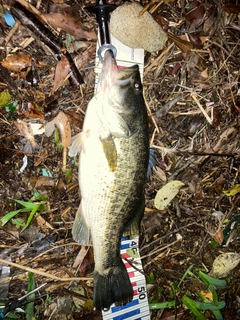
(137,86)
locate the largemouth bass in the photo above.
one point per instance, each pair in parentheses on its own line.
(114,152)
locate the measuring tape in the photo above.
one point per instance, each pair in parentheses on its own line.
(138,308)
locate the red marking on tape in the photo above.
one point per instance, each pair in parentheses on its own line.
(125,255)
(131,274)
(127,265)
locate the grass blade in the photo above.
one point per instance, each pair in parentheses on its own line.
(162,305)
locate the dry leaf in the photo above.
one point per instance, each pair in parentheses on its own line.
(17,62)
(231,8)
(44,183)
(183,45)
(26,131)
(69,25)
(160,174)
(165,195)
(63,126)
(80,257)
(64,129)
(61,72)
(204,73)
(43,224)
(224,264)
(195,16)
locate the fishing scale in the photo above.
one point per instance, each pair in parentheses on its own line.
(138,308)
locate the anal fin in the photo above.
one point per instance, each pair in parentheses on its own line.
(132,228)
(80,230)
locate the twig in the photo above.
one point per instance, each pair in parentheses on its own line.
(160,249)
(42,273)
(150,114)
(157,61)
(201,108)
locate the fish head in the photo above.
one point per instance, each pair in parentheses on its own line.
(122,104)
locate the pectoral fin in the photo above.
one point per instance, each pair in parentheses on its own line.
(76,145)
(110,152)
(80,230)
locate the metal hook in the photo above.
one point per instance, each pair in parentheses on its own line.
(106,47)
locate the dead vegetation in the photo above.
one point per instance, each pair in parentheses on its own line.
(192,92)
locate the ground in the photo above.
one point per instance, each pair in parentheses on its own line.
(192,93)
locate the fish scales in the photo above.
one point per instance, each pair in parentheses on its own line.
(112,175)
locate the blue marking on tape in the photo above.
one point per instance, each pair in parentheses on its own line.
(127,315)
(125,246)
(128,305)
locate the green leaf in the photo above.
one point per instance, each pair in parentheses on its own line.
(208,305)
(34,210)
(218,315)
(39,197)
(30,306)
(26,204)
(162,305)
(57,140)
(9,216)
(18,222)
(4,98)
(185,274)
(11,107)
(132,253)
(191,305)
(219,283)
(233,191)
(11,316)
(150,278)
(68,173)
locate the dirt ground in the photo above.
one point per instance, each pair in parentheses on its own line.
(192,93)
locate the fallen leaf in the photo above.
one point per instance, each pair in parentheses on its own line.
(64,129)
(231,8)
(224,264)
(80,257)
(26,131)
(204,73)
(62,124)
(183,45)
(17,61)
(165,195)
(194,17)
(69,25)
(233,191)
(4,98)
(218,236)
(207,295)
(61,72)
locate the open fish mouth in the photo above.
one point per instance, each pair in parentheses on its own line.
(111,72)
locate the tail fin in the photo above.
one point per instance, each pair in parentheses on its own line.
(112,286)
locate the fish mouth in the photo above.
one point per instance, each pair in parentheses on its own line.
(111,72)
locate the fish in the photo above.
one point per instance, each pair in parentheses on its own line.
(113,162)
